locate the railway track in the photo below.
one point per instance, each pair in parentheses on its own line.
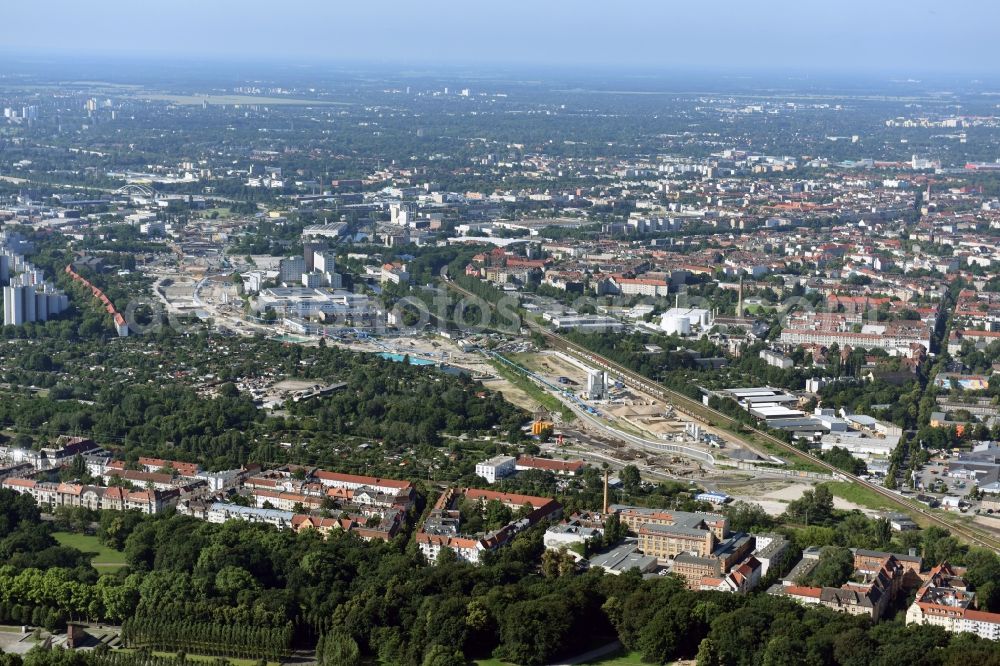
(684,404)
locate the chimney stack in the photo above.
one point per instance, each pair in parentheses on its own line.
(605,492)
(739,306)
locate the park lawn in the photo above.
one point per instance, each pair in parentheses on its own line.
(860,495)
(104,559)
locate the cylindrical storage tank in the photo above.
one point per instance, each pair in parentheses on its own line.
(676,325)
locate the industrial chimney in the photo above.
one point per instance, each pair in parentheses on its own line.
(605,492)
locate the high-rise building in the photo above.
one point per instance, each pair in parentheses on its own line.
(13,306)
(325,262)
(290,270)
(27,297)
(309,250)
(41,306)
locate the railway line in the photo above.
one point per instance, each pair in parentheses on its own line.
(695,409)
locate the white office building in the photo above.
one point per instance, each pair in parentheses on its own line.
(496,468)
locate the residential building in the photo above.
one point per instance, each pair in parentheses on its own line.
(777,359)
(496,468)
(741,579)
(769,549)
(443,527)
(356,481)
(94,497)
(221,512)
(947,600)
(878,579)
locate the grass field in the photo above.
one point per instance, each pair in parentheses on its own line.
(860,495)
(104,558)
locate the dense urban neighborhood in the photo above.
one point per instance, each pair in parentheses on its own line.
(382,368)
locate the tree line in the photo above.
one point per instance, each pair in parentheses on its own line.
(157,632)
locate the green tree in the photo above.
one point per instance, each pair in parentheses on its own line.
(629,476)
(835,566)
(338,648)
(440,655)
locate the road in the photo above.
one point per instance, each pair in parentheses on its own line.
(695,409)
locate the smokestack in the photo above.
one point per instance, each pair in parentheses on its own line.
(739,307)
(605,492)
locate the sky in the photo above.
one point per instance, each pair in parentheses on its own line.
(905,36)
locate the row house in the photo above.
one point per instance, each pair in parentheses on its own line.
(387,528)
(97,498)
(143,479)
(285,501)
(354,482)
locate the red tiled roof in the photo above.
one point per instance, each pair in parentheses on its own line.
(507,498)
(982,616)
(363,480)
(552,465)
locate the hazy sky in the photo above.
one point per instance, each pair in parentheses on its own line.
(841,35)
